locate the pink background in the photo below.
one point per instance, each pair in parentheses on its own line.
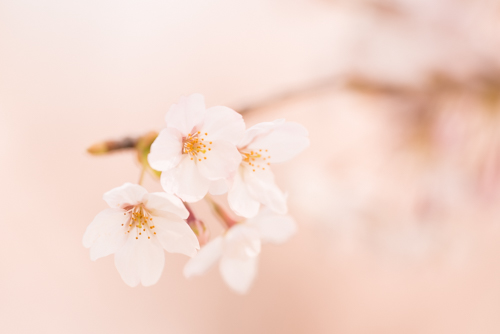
(73,73)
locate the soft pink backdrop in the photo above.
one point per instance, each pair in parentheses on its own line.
(76,72)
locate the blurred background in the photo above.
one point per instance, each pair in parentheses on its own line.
(397,199)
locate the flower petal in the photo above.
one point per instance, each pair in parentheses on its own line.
(104,224)
(240,200)
(223,159)
(206,257)
(175,235)
(186,114)
(218,187)
(166,150)
(258,130)
(283,141)
(238,273)
(223,123)
(166,202)
(185,181)
(261,186)
(272,227)
(127,194)
(140,261)
(241,241)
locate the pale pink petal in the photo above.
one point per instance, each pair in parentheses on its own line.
(127,194)
(240,200)
(206,257)
(166,202)
(261,186)
(186,114)
(104,225)
(239,273)
(223,123)
(221,161)
(175,235)
(272,227)
(242,240)
(166,150)
(218,187)
(282,142)
(140,261)
(257,130)
(185,181)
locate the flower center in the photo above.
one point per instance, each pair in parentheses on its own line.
(256,159)
(195,145)
(141,220)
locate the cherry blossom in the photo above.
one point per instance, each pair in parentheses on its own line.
(136,228)
(238,249)
(197,147)
(262,145)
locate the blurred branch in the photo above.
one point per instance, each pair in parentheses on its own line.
(287,95)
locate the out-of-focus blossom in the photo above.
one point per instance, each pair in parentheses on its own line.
(137,227)
(198,145)
(238,249)
(253,184)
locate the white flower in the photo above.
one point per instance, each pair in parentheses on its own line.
(239,247)
(197,146)
(137,227)
(262,145)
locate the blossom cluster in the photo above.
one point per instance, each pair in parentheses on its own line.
(200,152)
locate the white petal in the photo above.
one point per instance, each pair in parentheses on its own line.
(241,241)
(238,273)
(223,123)
(221,161)
(185,115)
(261,186)
(140,261)
(166,150)
(104,224)
(218,187)
(127,194)
(273,227)
(257,130)
(240,200)
(166,202)
(185,181)
(206,257)
(283,142)
(175,235)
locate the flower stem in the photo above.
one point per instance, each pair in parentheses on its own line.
(141,176)
(222,214)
